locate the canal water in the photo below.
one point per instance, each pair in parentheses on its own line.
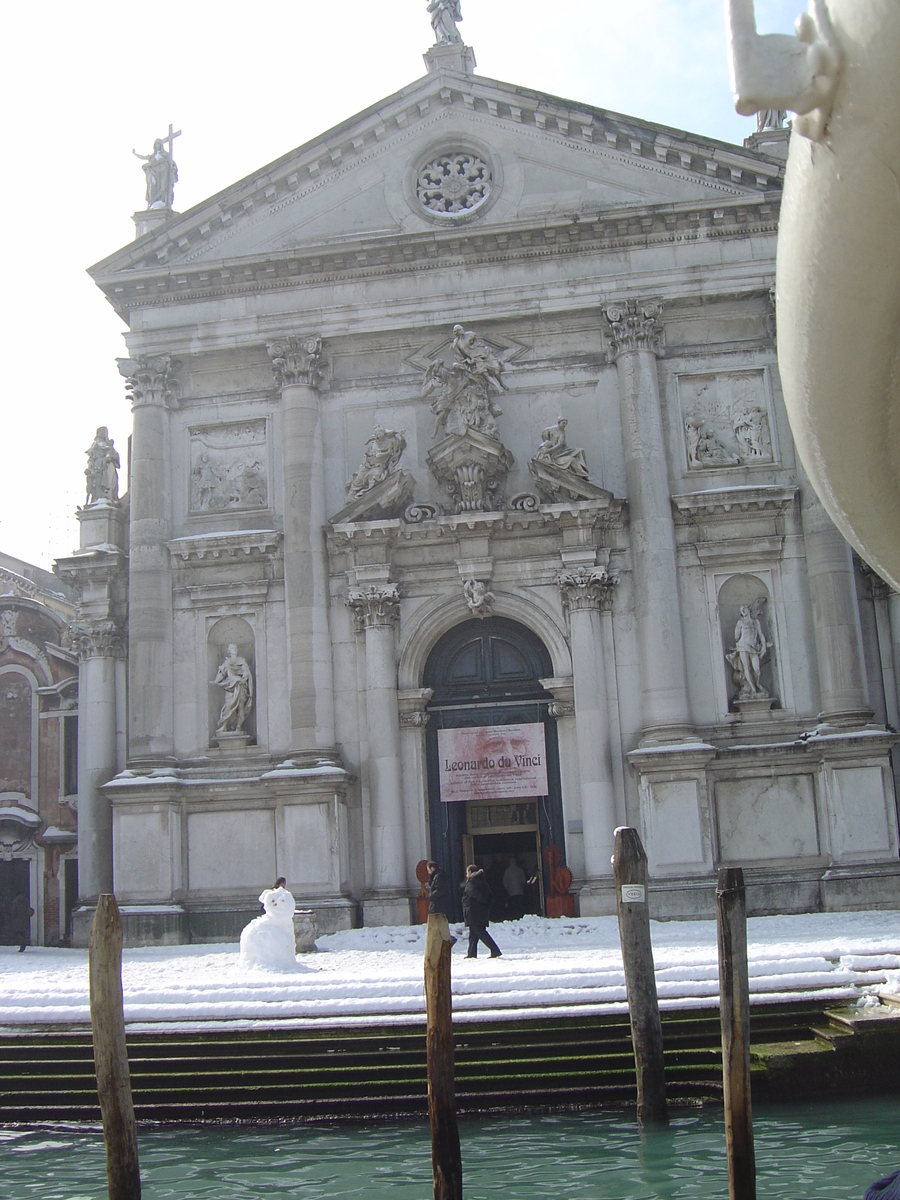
(832,1150)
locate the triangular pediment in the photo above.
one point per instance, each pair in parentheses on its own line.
(532,157)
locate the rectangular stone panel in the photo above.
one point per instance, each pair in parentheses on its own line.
(676,835)
(767,818)
(231,849)
(307,857)
(860,823)
(229,468)
(142,855)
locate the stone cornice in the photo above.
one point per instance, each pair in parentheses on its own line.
(214,547)
(726,503)
(98,566)
(597,232)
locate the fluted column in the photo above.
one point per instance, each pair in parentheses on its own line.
(150,648)
(100,648)
(582,588)
(302,372)
(636,340)
(843,688)
(377,611)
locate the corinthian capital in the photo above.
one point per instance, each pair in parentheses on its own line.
(97,639)
(149,379)
(634,326)
(586,588)
(300,360)
(374,607)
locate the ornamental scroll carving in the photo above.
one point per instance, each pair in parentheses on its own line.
(149,379)
(375,607)
(586,588)
(634,326)
(302,361)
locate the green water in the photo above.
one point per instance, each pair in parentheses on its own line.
(829,1150)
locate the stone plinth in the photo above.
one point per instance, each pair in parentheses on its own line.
(102,525)
(754,708)
(305,930)
(451,56)
(232,743)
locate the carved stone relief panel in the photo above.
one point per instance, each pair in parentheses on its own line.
(229,468)
(726,420)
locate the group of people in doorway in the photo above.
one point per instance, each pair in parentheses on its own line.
(478,900)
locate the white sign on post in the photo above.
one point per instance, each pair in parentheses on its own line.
(494,762)
(633,893)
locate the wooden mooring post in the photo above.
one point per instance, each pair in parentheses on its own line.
(734,1011)
(630,871)
(446,1162)
(110,1055)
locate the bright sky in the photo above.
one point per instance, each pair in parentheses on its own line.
(84,84)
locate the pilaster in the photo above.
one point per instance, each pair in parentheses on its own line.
(636,339)
(302,371)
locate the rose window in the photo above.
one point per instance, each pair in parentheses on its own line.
(454,183)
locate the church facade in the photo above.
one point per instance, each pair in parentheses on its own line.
(464,522)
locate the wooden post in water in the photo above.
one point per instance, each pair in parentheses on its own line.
(734,1011)
(446,1163)
(110,1056)
(630,871)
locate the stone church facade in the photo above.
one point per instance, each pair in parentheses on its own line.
(467,416)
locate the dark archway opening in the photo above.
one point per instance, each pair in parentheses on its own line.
(488,673)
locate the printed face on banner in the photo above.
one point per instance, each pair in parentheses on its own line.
(496,762)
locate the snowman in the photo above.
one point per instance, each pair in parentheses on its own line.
(268,941)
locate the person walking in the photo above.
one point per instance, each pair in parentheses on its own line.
(20,914)
(477,910)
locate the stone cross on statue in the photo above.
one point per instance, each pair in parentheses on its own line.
(161,171)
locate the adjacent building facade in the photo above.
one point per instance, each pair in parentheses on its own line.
(464,521)
(38,753)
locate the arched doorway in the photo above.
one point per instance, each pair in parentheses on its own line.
(486,674)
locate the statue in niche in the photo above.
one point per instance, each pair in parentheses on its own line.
(236,679)
(382,454)
(102,471)
(703,447)
(444,17)
(464,391)
(751,428)
(750,650)
(161,172)
(553,450)
(479,597)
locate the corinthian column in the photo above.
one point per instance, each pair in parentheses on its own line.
(377,611)
(582,590)
(636,340)
(150,656)
(301,371)
(100,646)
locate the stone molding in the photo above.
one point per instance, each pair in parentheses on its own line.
(149,379)
(732,502)
(253,543)
(412,704)
(562,690)
(98,639)
(300,362)
(586,588)
(634,326)
(375,607)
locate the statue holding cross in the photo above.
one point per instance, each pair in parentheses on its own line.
(161,172)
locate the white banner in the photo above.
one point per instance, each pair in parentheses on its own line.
(493,762)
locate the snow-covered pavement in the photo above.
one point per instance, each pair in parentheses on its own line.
(375,975)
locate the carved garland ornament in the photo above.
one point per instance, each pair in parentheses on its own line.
(454,184)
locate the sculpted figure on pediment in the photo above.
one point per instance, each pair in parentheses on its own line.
(161,173)
(102,471)
(554,450)
(382,454)
(463,393)
(444,17)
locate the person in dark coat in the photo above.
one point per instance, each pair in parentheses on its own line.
(477,911)
(20,915)
(440,899)
(885,1189)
